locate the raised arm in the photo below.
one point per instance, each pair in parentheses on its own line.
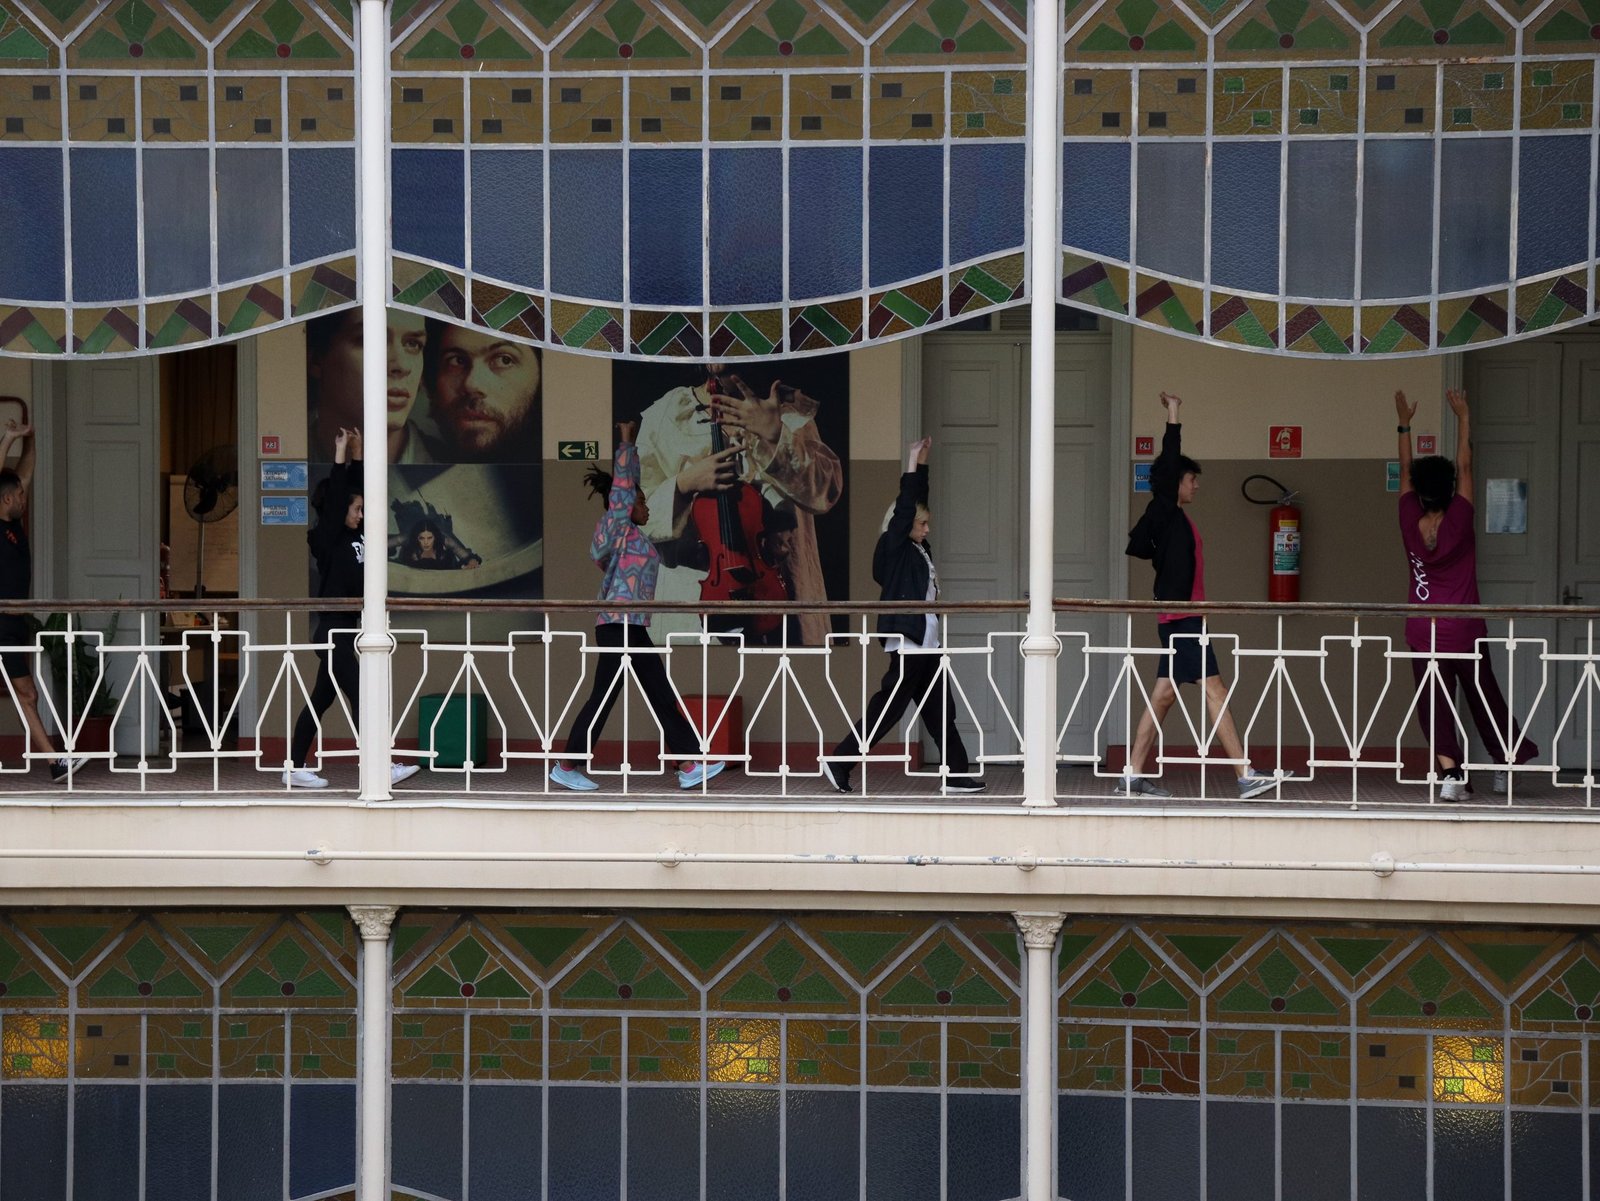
(913,489)
(10,436)
(1458,405)
(1165,474)
(612,528)
(1404,410)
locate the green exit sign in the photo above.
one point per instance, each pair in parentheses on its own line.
(578,450)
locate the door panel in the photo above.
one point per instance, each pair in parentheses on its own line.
(1580,531)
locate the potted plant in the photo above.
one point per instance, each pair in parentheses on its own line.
(94,732)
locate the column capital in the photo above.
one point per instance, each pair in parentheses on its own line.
(374,920)
(1039,930)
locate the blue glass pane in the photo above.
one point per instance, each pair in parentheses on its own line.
(663,1144)
(988,207)
(177,221)
(425,1139)
(746,226)
(1474,213)
(665,212)
(322,1137)
(741,1144)
(177,1145)
(822,1147)
(1320,258)
(33,1140)
(1166,1149)
(1397,219)
(1391,1152)
(31,255)
(1546,1155)
(1316,1151)
(508,216)
(586,223)
(427,197)
(1552,204)
(249,213)
(902,1146)
(907,207)
(1172,208)
(1091,1148)
(1095,197)
(824,221)
(322,202)
(985,1147)
(585,1143)
(503,1159)
(105,1167)
(250,1142)
(1244,216)
(1469,1152)
(105,225)
(1239,1152)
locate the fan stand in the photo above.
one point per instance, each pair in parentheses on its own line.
(200,563)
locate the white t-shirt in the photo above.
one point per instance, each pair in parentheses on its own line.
(930,632)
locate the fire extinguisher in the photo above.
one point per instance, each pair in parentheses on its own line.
(1285,540)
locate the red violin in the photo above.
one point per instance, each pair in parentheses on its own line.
(732,526)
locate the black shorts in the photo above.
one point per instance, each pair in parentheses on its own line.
(14,633)
(1184,665)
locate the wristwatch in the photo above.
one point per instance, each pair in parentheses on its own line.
(1402,429)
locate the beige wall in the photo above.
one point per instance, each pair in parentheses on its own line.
(16,378)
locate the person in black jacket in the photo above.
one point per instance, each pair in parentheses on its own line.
(902,563)
(336,541)
(1168,537)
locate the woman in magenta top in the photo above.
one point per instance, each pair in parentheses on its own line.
(631,564)
(1437,522)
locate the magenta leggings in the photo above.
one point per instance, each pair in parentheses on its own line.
(1489,712)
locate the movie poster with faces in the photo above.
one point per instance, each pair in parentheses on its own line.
(464,442)
(766,516)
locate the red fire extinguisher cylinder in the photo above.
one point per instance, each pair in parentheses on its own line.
(1283,553)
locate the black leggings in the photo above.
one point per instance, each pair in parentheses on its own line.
(652,675)
(344,670)
(895,693)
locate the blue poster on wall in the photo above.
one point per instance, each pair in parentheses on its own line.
(283,510)
(283,477)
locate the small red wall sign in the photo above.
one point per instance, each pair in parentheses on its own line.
(1283,442)
(269,444)
(1144,446)
(1426,444)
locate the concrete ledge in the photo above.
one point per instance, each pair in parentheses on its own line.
(1221,862)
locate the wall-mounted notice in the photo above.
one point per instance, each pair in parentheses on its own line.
(286,476)
(283,510)
(1392,483)
(1141,477)
(1505,509)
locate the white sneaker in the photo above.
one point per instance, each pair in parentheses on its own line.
(1253,783)
(1502,782)
(401,772)
(571,777)
(699,774)
(1139,786)
(303,777)
(1453,788)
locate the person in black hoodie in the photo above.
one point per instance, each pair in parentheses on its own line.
(902,564)
(336,541)
(1168,537)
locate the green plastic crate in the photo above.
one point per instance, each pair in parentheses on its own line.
(449,736)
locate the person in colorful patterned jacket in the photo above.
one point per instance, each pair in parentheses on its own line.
(631,564)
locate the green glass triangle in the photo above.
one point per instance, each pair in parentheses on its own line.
(114,984)
(135,19)
(64,10)
(283,19)
(982,38)
(1129,969)
(1253,35)
(1072,946)
(1477,30)
(21,46)
(217,942)
(1507,960)
(1397,1002)
(1323,34)
(1583,980)
(175,984)
(658,43)
(750,987)
(818,43)
(1354,954)
(1203,951)
(334,923)
(314,45)
(1441,13)
(1245,998)
(625,960)
(656,985)
(705,11)
(252,44)
(1563,27)
(1105,40)
(863,950)
(1311,1001)
(1278,973)
(592,44)
(1170,36)
(433,45)
(468,957)
(256,983)
(29,984)
(288,958)
(752,43)
(943,965)
(947,15)
(914,39)
(103,44)
(1429,977)
(625,19)
(1549,1007)
(785,18)
(592,986)
(209,10)
(404,938)
(72,943)
(866,11)
(1136,15)
(145,958)
(976,991)
(435,982)
(1162,995)
(784,962)
(1286,15)
(817,989)
(169,44)
(318,984)
(466,21)
(910,991)
(501,45)
(1097,994)
(500,985)
(546,943)
(1006,944)
(547,12)
(704,948)
(1462,1005)
(1407,31)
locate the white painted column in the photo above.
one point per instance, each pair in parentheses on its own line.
(372,1080)
(1039,645)
(1039,932)
(373,645)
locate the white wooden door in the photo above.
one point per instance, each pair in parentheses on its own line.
(111,536)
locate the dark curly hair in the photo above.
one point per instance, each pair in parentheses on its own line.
(599,482)
(1434,478)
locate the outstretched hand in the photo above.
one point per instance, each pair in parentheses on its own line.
(1404,409)
(1171,402)
(759,417)
(917,453)
(1457,398)
(13,430)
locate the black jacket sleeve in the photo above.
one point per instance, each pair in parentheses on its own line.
(1166,472)
(1163,534)
(913,492)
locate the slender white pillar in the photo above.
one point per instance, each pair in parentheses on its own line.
(1039,932)
(372,1082)
(1039,645)
(372,155)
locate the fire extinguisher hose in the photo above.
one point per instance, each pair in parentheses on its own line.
(1284,494)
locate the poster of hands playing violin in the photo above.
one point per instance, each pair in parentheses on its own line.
(743,468)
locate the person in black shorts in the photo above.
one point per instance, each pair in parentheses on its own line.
(16,583)
(1168,537)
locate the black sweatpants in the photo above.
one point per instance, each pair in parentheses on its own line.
(895,693)
(652,675)
(340,666)
(1489,711)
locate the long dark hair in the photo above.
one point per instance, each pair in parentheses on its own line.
(599,483)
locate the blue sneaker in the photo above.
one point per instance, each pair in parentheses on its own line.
(1252,783)
(699,774)
(571,777)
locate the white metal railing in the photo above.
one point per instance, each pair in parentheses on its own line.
(169,700)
